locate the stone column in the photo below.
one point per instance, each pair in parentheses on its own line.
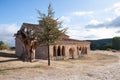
(56,48)
(51,51)
(60,50)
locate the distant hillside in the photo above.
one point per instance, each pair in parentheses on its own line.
(101,44)
(101,41)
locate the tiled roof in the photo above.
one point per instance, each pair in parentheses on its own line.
(73,40)
(32,26)
(38,28)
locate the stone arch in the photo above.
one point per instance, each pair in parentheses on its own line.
(54,51)
(71,53)
(63,50)
(58,51)
(85,50)
(82,50)
(79,50)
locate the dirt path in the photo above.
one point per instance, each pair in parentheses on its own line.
(93,67)
(85,72)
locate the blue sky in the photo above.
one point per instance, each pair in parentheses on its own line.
(85,19)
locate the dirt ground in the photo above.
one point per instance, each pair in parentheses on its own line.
(97,65)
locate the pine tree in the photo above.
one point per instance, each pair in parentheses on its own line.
(51,32)
(116,43)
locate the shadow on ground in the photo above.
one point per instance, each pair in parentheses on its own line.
(12,57)
(2,61)
(3,54)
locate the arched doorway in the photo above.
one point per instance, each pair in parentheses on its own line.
(54,51)
(58,51)
(63,51)
(82,51)
(71,53)
(85,50)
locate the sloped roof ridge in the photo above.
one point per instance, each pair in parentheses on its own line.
(24,23)
(32,26)
(70,39)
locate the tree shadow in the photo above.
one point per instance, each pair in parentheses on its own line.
(13,68)
(12,57)
(9,60)
(3,54)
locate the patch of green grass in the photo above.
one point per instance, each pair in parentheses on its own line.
(3,72)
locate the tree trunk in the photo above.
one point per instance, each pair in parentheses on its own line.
(32,54)
(48,56)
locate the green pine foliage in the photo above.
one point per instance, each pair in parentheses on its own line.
(3,46)
(105,44)
(51,28)
(116,43)
(101,44)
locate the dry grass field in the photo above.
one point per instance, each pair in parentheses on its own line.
(98,65)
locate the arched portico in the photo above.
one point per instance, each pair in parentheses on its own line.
(63,50)
(59,51)
(71,53)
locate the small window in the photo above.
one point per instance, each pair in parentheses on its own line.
(25,29)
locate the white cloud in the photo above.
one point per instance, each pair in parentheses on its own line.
(7,32)
(65,19)
(107,28)
(104,32)
(108,19)
(111,23)
(94,22)
(93,33)
(115,9)
(100,26)
(107,9)
(97,32)
(100,33)
(82,13)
